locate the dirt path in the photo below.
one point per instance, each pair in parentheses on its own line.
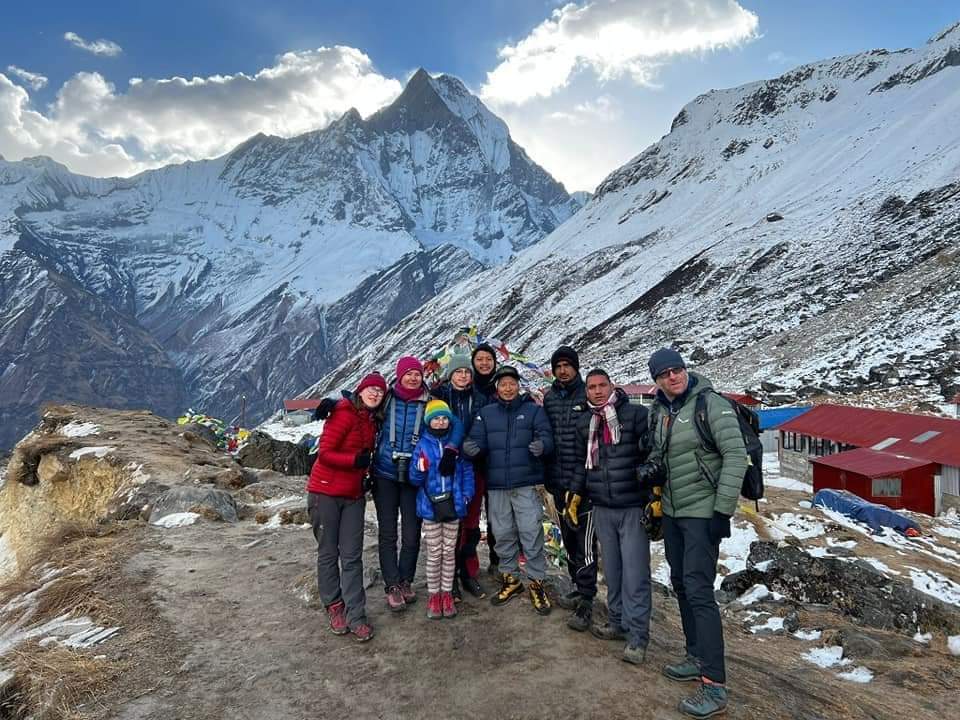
(247,646)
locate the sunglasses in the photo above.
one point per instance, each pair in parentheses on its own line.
(669,372)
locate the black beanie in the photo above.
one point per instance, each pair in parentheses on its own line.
(506,371)
(564,352)
(664,359)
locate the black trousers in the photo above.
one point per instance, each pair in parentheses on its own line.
(395,499)
(693,568)
(581,545)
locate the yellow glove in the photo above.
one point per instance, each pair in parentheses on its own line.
(655,505)
(573,505)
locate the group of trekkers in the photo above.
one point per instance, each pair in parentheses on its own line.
(619,475)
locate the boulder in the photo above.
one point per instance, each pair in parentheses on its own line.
(855,589)
(209,502)
(266,453)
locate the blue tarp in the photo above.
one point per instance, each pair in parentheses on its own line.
(876,516)
(774,417)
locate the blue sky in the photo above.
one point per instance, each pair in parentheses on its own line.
(605,110)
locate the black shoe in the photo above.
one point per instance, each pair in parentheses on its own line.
(457,595)
(473,586)
(582,617)
(607,632)
(570,601)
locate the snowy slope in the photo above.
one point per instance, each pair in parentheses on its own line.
(252,271)
(800,231)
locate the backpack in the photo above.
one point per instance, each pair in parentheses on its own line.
(752,486)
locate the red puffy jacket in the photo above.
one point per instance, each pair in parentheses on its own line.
(346,432)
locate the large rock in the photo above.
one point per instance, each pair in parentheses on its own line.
(209,502)
(855,589)
(266,453)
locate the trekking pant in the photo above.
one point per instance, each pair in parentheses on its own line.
(441,541)
(393,498)
(491,538)
(693,568)
(338,527)
(626,568)
(468,564)
(517,519)
(581,545)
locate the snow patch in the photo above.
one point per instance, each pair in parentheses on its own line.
(79,429)
(808,634)
(799,526)
(96,451)
(937,585)
(923,638)
(773,624)
(291,433)
(953,644)
(175,520)
(826,657)
(859,674)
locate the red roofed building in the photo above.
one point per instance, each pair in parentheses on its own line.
(294,405)
(897,439)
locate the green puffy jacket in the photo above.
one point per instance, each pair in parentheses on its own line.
(688,492)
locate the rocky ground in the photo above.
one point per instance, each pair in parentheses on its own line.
(220,620)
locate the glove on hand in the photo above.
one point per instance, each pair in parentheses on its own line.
(536,448)
(448,462)
(362,460)
(573,506)
(324,409)
(651,475)
(719,527)
(470,448)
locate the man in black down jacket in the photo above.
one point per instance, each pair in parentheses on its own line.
(565,403)
(613,444)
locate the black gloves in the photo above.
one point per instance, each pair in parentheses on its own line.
(536,447)
(719,527)
(324,409)
(651,475)
(470,448)
(448,463)
(362,460)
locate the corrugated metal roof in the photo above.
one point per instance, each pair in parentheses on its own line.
(772,417)
(866,427)
(871,463)
(311,404)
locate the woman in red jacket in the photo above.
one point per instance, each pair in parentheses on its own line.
(336,501)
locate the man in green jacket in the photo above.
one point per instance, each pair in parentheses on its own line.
(700,492)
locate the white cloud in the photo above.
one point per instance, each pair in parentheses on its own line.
(97,47)
(96,129)
(780,58)
(613,38)
(34,80)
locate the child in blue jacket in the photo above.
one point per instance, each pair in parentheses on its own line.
(442,502)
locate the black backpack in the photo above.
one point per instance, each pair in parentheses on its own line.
(752,486)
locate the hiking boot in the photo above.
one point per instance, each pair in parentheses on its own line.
(707,701)
(509,587)
(684,671)
(607,632)
(435,606)
(409,594)
(538,597)
(395,600)
(362,632)
(582,617)
(570,601)
(447,605)
(337,612)
(635,654)
(473,586)
(457,595)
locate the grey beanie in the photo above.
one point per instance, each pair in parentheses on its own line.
(458,361)
(664,359)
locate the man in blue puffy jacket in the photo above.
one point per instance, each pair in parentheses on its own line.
(513,434)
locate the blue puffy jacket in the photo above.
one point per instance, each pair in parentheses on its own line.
(402,415)
(425,474)
(503,431)
(465,404)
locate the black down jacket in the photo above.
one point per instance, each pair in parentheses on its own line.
(564,406)
(614,483)
(502,433)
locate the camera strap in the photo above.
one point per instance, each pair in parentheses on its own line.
(415,437)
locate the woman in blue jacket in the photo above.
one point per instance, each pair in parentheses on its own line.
(393,495)
(442,502)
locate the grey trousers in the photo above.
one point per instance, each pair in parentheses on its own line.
(517,520)
(338,527)
(625,549)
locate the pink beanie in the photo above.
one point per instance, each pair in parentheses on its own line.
(406,364)
(372,380)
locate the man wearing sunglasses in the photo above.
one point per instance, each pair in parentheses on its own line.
(700,491)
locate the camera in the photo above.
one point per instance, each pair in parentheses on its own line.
(402,461)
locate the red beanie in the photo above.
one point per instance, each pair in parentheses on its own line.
(406,364)
(374,379)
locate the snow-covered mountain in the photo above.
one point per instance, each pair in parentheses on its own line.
(798,232)
(254,273)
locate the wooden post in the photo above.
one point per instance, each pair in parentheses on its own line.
(243,410)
